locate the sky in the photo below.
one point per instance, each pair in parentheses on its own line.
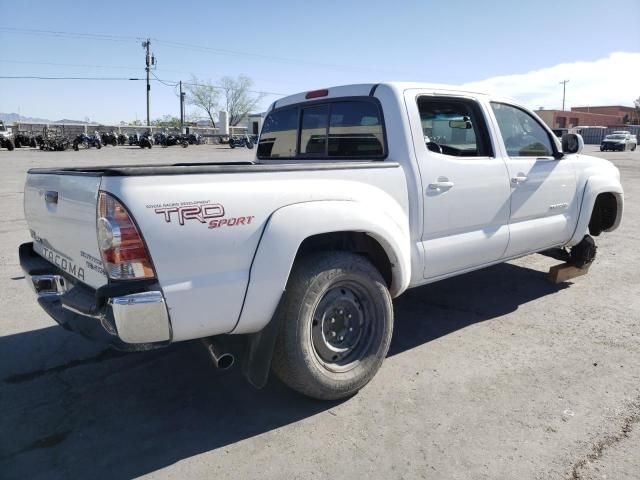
(520,49)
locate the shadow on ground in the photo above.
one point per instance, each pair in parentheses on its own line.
(71,411)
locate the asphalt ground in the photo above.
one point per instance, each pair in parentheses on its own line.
(496,374)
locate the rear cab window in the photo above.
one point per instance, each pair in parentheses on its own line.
(342,128)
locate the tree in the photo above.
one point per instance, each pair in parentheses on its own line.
(204,95)
(238,99)
(636,120)
(166,121)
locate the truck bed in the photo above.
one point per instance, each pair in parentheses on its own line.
(208,168)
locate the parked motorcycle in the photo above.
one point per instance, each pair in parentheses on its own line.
(123,139)
(87,141)
(146,140)
(109,138)
(25,139)
(193,138)
(241,141)
(169,139)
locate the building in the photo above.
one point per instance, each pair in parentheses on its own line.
(601,116)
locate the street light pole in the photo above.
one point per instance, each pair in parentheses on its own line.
(564,90)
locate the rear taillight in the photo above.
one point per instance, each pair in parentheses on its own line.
(124,254)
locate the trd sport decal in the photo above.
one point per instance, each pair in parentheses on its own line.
(203,211)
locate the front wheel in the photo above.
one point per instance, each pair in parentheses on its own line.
(336,322)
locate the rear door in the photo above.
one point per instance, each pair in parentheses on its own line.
(544,204)
(61,213)
(465,188)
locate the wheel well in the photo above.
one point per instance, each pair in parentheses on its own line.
(604,214)
(356,242)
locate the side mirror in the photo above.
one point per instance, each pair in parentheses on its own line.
(572,143)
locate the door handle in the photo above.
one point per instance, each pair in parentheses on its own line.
(440,185)
(518,179)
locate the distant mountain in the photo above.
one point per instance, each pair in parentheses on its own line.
(14,117)
(66,120)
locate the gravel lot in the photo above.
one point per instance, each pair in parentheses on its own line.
(496,374)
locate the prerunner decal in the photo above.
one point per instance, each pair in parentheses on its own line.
(203,211)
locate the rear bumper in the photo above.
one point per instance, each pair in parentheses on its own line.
(126,315)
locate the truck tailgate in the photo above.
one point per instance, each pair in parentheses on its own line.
(61,213)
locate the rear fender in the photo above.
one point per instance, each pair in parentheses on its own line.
(289,226)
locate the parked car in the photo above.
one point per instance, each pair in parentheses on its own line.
(6,137)
(619,141)
(302,250)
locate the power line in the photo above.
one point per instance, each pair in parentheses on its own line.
(191,46)
(83,65)
(56,33)
(37,77)
(168,83)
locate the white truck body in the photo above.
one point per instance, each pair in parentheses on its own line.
(223,238)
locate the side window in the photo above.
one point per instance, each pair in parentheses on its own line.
(355,130)
(279,134)
(522,134)
(454,127)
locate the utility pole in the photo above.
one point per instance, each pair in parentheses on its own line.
(149,61)
(182,94)
(564,90)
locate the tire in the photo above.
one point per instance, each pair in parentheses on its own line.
(10,145)
(75,146)
(232,144)
(323,288)
(633,149)
(249,144)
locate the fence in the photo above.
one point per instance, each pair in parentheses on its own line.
(71,130)
(593,136)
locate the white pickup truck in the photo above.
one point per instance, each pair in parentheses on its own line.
(357,193)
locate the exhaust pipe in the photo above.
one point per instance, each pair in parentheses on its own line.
(221,359)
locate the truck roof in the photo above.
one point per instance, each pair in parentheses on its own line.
(364,89)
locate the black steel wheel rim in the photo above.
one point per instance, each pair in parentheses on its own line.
(343,326)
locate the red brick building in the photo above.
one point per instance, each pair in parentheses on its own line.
(602,116)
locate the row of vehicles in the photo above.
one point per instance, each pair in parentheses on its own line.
(54,139)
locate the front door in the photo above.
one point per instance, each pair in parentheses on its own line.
(465,186)
(544,204)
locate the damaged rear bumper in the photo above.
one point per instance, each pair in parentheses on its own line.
(129,315)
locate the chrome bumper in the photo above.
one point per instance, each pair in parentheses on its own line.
(141,317)
(129,321)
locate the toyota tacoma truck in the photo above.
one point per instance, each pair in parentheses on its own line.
(356,194)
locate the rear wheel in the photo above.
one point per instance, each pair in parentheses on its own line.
(336,322)
(10,145)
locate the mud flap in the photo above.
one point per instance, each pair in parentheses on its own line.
(259,352)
